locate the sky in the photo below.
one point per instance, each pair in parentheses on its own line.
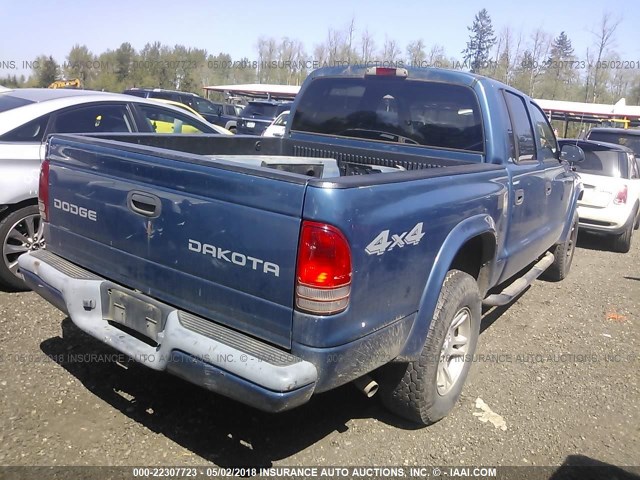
(46,27)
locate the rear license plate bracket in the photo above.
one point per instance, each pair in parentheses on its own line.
(126,309)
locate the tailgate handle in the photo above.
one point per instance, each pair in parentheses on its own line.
(144,204)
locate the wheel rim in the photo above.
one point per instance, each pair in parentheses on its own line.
(24,236)
(454,350)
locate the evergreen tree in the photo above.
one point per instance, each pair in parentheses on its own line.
(106,78)
(560,71)
(481,40)
(125,55)
(10,81)
(81,64)
(561,47)
(46,72)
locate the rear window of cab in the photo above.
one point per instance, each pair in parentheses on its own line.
(392,110)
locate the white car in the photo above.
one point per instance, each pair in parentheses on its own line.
(610,203)
(277,127)
(27,117)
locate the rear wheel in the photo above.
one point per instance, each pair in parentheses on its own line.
(425,390)
(20,231)
(563,255)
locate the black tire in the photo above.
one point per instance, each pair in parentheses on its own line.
(563,255)
(412,390)
(622,243)
(16,219)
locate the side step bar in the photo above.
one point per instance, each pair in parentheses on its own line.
(517,287)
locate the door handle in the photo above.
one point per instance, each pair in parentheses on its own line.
(519,196)
(548,189)
(144,204)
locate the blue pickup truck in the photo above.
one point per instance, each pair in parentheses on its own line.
(359,247)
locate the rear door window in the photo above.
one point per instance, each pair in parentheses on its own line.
(522,130)
(93,119)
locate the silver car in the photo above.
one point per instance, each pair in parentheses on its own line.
(27,117)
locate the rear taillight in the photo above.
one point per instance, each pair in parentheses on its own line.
(323,277)
(621,196)
(43,190)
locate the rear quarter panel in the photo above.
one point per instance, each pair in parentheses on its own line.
(19,172)
(390,286)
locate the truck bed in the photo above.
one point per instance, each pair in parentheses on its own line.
(351,160)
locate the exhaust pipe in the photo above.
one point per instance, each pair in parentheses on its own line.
(366,385)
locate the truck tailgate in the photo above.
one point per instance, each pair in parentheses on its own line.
(208,237)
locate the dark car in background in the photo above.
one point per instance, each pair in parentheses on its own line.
(222,114)
(227,114)
(259,114)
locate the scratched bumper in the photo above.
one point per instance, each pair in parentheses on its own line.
(198,350)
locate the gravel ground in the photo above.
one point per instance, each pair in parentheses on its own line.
(558,368)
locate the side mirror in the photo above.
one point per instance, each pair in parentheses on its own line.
(572,154)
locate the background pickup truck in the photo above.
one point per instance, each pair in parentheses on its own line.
(363,242)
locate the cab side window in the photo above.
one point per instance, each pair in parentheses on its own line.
(522,130)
